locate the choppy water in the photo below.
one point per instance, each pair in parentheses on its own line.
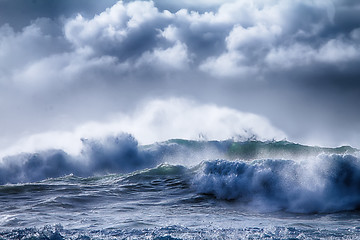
(180,190)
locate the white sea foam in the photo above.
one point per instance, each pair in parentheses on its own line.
(329,183)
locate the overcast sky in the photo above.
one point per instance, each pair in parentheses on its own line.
(179,69)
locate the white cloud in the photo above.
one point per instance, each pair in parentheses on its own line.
(18,49)
(257,37)
(170,33)
(141,12)
(338,51)
(175,57)
(334,51)
(59,71)
(244,46)
(230,64)
(290,56)
(109,30)
(110,24)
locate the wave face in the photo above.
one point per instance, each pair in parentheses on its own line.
(266,176)
(112,155)
(329,184)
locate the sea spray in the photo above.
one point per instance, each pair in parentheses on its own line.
(328,183)
(122,154)
(234,198)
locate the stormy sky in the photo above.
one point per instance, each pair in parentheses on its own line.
(161,69)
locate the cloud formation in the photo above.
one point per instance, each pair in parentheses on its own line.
(253,38)
(248,55)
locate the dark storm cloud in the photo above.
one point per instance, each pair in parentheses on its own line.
(19,13)
(237,41)
(260,56)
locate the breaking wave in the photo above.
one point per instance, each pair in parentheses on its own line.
(330,183)
(122,154)
(267,176)
(111,155)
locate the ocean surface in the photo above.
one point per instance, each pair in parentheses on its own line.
(181,189)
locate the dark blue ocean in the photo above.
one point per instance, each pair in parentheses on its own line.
(180,189)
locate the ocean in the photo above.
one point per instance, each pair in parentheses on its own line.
(182,189)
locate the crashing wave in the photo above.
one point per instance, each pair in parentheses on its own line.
(269,175)
(329,183)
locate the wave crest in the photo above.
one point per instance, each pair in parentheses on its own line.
(330,183)
(115,154)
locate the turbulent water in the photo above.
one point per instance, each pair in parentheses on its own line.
(179,189)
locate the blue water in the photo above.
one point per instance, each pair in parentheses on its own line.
(116,189)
